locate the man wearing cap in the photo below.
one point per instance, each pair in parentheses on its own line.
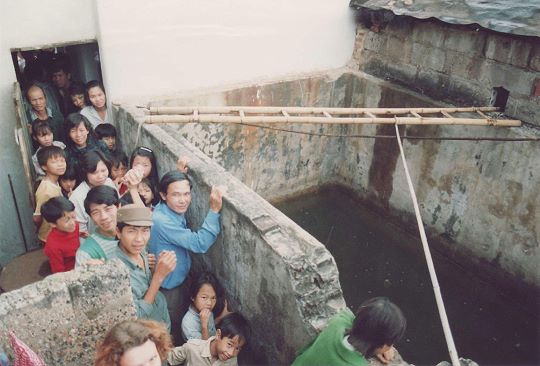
(133,231)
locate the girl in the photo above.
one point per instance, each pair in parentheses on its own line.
(94,167)
(147,194)
(80,139)
(76,94)
(97,112)
(119,164)
(145,158)
(134,343)
(207,300)
(68,182)
(42,133)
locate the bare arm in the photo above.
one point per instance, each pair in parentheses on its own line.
(165,265)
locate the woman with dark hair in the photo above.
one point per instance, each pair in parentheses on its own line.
(134,343)
(97,112)
(350,340)
(80,139)
(145,159)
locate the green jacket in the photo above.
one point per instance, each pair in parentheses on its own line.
(328,349)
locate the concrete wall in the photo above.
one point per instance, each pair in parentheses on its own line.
(63,317)
(276,274)
(459,64)
(480,200)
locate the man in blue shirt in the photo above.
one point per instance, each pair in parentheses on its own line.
(170,233)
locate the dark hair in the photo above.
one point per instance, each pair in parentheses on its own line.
(49,152)
(92,84)
(70,174)
(129,334)
(101,195)
(54,208)
(105,130)
(208,278)
(234,324)
(171,177)
(117,158)
(77,88)
(155,200)
(148,153)
(378,322)
(40,128)
(60,64)
(90,161)
(73,120)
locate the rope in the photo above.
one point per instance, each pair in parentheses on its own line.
(436,289)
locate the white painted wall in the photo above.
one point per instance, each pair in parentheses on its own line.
(28,23)
(160,47)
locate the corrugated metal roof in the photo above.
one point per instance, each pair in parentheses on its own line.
(520,17)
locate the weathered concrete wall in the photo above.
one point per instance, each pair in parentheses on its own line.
(63,317)
(275,273)
(459,64)
(479,199)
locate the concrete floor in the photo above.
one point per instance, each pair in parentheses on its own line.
(23,270)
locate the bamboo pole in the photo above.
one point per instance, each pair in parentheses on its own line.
(206,118)
(310,110)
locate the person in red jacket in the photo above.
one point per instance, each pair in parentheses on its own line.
(63,240)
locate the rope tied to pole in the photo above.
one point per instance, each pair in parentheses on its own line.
(436,288)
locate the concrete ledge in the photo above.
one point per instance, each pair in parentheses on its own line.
(64,316)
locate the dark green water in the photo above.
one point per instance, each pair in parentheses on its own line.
(375,258)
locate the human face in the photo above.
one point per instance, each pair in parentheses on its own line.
(97,97)
(37,99)
(133,239)
(146,193)
(205,298)
(144,355)
(118,171)
(110,141)
(78,100)
(60,79)
(99,176)
(144,163)
(79,135)
(68,185)
(66,223)
(226,348)
(45,139)
(56,165)
(104,216)
(178,196)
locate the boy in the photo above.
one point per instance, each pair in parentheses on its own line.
(101,204)
(119,164)
(52,160)
(107,133)
(133,231)
(63,240)
(43,135)
(232,334)
(68,182)
(76,94)
(350,340)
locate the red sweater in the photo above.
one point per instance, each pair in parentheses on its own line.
(61,248)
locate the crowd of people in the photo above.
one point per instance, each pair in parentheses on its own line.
(94,204)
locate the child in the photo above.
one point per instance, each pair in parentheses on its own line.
(43,135)
(68,182)
(80,139)
(134,342)
(198,323)
(107,133)
(63,240)
(119,163)
(145,158)
(53,162)
(232,334)
(147,193)
(76,94)
(347,340)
